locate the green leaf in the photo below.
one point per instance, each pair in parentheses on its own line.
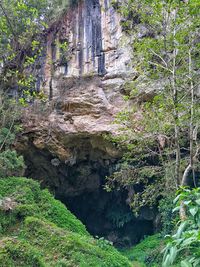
(180,229)
(198,201)
(176,198)
(193,211)
(188,241)
(196,262)
(186,203)
(173,253)
(185,264)
(167,261)
(176,209)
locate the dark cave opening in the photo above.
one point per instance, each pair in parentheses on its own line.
(79,184)
(107,215)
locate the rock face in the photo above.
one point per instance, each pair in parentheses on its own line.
(94,41)
(87,61)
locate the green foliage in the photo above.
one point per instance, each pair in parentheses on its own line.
(11,163)
(102,242)
(34,202)
(183,246)
(10,112)
(19,253)
(147,252)
(41,243)
(168,218)
(119,216)
(40,231)
(6,137)
(161,125)
(129,177)
(70,247)
(156,34)
(22,27)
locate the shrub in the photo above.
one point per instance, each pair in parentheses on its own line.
(11,164)
(183,246)
(147,251)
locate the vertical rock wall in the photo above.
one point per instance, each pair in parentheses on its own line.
(64,142)
(95,43)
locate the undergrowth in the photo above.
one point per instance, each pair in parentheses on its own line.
(37,230)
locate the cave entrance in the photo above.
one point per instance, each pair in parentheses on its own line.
(107,215)
(79,184)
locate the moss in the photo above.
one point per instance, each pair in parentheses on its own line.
(15,252)
(32,201)
(81,250)
(41,232)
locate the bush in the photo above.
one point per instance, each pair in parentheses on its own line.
(168,218)
(147,252)
(11,164)
(19,253)
(183,246)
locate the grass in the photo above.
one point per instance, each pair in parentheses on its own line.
(147,252)
(39,231)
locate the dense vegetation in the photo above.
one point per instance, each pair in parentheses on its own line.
(37,230)
(162,147)
(164,143)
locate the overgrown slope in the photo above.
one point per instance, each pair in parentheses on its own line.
(147,252)
(37,230)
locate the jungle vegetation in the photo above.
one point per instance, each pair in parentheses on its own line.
(162,147)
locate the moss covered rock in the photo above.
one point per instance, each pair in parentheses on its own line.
(37,230)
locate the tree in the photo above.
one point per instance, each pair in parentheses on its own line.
(23,28)
(23,25)
(11,164)
(166,58)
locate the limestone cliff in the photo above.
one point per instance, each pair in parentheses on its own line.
(87,61)
(96,43)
